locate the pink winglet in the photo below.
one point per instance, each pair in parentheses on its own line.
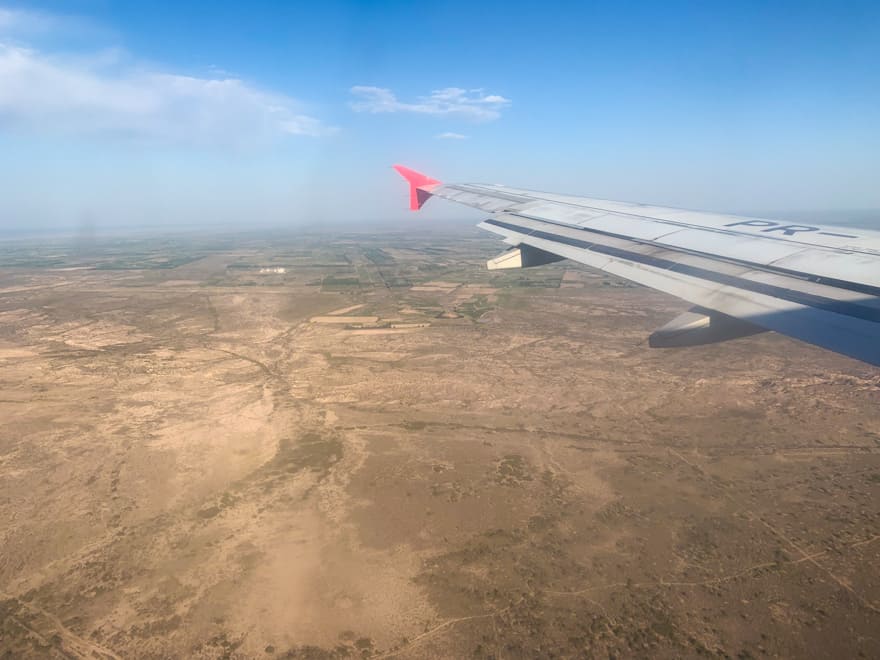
(420,186)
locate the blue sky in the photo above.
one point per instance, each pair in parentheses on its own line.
(292,112)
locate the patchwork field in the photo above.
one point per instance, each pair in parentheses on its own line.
(368,446)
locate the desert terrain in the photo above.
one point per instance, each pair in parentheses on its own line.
(352,445)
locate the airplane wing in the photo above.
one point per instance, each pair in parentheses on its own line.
(744,275)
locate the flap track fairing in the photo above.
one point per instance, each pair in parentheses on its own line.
(522,256)
(701,326)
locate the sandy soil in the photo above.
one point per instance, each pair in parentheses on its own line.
(192,469)
(344,319)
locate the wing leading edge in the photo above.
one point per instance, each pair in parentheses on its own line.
(744,275)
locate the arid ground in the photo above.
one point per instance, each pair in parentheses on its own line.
(351,446)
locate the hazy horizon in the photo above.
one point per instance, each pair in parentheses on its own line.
(857,218)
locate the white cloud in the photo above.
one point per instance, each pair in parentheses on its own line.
(451,136)
(98,94)
(18,20)
(470,104)
(29,24)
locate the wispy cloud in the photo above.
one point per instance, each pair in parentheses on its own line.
(451,136)
(35,24)
(471,104)
(102,93)
(22,21)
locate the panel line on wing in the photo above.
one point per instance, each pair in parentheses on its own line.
(629,209)
(856,287)
(824,303)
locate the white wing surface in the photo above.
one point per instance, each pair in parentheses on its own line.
(744,275)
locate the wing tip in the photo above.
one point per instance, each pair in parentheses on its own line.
(419,186)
